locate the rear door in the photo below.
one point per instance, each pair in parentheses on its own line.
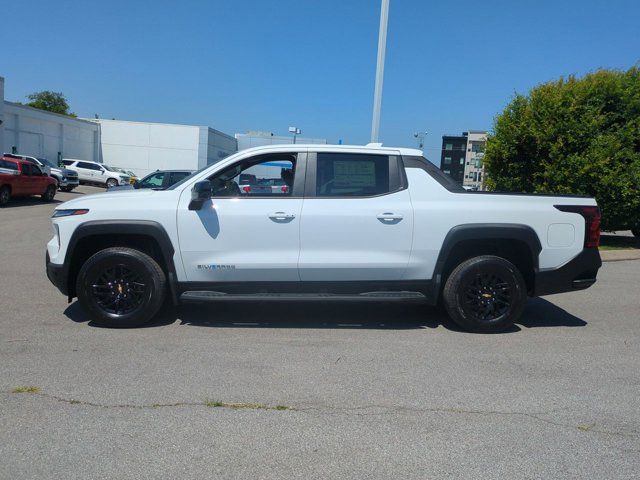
(357,218)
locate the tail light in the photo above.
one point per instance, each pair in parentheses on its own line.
(246,189)
(592,222)
(284,189)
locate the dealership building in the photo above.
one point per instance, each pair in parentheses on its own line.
(142,147)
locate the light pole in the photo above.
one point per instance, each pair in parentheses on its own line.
(377,94)
(296,131)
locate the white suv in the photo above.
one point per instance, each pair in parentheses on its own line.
(366,223)
(96,173)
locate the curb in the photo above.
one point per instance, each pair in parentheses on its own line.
(619,255)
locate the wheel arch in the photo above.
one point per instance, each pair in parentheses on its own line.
(144,235)
(514,242)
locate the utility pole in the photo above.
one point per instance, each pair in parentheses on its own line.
(296,131)
(382,47)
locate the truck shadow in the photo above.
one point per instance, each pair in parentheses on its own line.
(346,315)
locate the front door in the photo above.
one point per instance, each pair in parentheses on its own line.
(357,219)
(249,230)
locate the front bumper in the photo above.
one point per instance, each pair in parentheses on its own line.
(577,274)
(57,274)
(69,182)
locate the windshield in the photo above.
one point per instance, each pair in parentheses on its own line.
(47,162)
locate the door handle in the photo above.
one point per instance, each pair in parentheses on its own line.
(390,217)
(281,216)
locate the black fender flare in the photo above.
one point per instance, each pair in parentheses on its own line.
(483,231)
(126,227)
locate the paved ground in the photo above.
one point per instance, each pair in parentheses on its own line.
(377,391)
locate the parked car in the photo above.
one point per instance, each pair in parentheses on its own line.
(67,179)
(158,180)
(20,178)
(132,176)
(96,173)
(368,223)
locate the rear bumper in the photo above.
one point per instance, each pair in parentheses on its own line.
(57,274)
(577,274)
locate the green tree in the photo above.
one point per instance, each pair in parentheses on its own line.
(574,135)
(54,102)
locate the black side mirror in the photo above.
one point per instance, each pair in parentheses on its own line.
(200,193)
(136,184)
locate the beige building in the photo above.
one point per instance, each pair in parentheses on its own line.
(474,174)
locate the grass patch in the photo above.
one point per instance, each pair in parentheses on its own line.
(247,406)
(26,390)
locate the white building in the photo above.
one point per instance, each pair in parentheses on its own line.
(146,147)
(258,139)
(30,131)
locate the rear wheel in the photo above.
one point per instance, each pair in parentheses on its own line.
(5,195)
(112,182)
(121,287)
(485,294)
(49,193)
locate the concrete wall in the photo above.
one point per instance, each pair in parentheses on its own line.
(146,147)
(43,134)
(249,140)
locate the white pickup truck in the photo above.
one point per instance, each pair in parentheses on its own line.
(367,223)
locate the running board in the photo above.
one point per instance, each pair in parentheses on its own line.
(210,296)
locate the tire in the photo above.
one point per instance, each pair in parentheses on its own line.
(66,189)
(49,193)
(112,182)
(109,291)
(485,294)
(5,195)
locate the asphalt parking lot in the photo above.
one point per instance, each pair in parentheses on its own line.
(312,390)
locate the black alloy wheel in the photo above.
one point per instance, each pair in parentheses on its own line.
(485,294)
(121,287)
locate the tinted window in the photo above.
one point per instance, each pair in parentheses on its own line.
(177,176)
(438,175)
(27,169)
(351,175)
(67,162)
(8,165)
(88,166)
(270,176)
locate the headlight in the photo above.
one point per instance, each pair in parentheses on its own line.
(69,212)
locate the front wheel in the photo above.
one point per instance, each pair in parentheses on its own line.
(121,287)
(49,193)
(485,294)
(112,182)
(5,195)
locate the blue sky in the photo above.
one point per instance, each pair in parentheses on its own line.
(260,65)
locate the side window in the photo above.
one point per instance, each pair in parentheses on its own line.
(154,180)
(268,176)
(8,165)
(35,170)
(27,169)
(352,175)
(85,165)
(177,176)
(67,162)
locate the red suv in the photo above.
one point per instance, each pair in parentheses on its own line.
(21,179)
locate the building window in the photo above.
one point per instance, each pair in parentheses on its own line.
(448,146)
(480,176)
(448,172)
(462,161)
(447,160)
